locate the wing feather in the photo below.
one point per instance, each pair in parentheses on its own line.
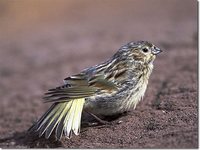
(79,86)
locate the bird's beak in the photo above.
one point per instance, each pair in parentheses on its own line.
(156,51)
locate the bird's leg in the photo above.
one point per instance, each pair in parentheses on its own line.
(98,119)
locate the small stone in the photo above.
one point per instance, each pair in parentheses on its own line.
(119,122)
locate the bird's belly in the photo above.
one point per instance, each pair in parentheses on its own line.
(115,104)
(104,106)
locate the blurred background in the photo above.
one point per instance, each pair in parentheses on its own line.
(99,16)
(46,32)
(44,41)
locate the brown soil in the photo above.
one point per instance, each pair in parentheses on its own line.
(38,52)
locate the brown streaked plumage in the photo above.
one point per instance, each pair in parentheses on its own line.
(109,88)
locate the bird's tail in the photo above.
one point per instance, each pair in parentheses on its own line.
(64,117)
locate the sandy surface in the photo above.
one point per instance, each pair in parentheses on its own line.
(40,46)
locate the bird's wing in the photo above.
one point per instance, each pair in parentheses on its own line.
(79,86)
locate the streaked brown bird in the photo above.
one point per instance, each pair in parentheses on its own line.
(109,88)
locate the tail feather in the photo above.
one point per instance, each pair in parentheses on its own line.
(60,127)
(34,127)
(69,119)
(64,117)
(52,125)
(77,118)
(44,123)
(48,120)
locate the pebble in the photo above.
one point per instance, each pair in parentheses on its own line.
(12,143)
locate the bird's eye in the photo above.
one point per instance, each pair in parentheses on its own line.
(145,50)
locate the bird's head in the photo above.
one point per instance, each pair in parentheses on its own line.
(141,51)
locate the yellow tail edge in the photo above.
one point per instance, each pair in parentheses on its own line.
(64,118)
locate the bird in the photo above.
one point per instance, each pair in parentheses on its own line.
(106,89)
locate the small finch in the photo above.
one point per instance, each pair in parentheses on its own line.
(112,87)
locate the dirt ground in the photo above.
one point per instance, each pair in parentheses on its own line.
(43,42)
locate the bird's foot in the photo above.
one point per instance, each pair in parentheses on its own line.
(101,122)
